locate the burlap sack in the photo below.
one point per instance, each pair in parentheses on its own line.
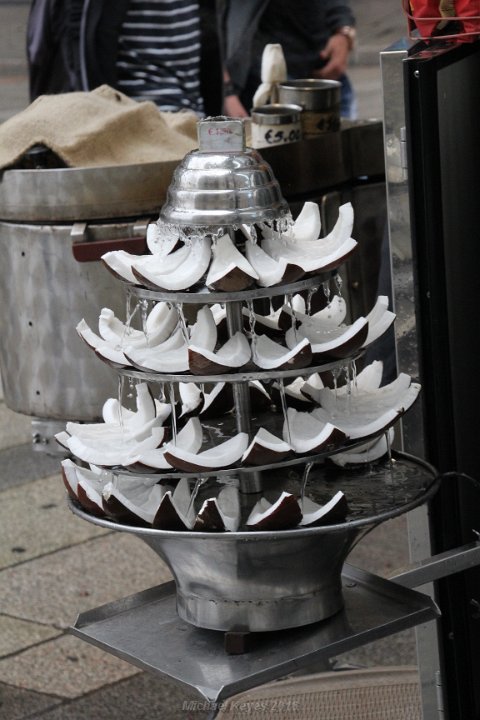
(98,128)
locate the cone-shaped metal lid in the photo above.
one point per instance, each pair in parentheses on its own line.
(223,182)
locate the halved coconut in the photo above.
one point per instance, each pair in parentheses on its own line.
(267,324)
(308,224)
(271,271)
(89,487)
(120,452)
(126,423)
(333,512)
(204,331)
(225,455)
(316,255)
(119,262)
(259,398)
(270,355)
(175,511)
(361,413)
(191,398)
(366,453)
(221,513)
(339,342)
(379,319)
(283,514)
(328,318)
(162,239)
(233,355)
(168,357)
(190,438)
(307,434)
(105,352)
(130,500)
(69,477)
(368,379)
(265,449)
(178,271)
(230,271)
(294,396)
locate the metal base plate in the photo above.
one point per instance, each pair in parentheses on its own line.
(144,629)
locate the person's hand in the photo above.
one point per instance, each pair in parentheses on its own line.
(336,53)
(232,107)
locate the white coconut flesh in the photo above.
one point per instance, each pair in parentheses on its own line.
(226,258)
(171,361)
(139,498)
(166,274)
(119,262)
(204,331)
(70,475)
(190,438)
(270,354)
(361,400)
(120,452)
(374,413)
(161,238)
(235,353)
(305,432)
(191,398)
(95,342)
(269,270)
(160,263)
(224,455)
(367,452)
(311,387)
(326,340)
(264,321)
(308,224)
(313,513)
(331,316)
(380,318)
(319,254)
(267,441)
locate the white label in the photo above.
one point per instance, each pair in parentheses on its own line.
(221,135)
(271,135)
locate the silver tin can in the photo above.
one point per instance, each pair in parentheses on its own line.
(320,101)
(275,124)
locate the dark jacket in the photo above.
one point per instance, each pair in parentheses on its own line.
(72,45)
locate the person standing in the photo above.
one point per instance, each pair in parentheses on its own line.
(317,37)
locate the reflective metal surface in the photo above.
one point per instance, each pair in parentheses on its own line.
(145,630)
(271,580)
(47,370)
(223,182)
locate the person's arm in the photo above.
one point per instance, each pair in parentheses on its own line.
(232,106)
(341,23)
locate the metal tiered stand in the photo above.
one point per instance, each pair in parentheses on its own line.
(251,605)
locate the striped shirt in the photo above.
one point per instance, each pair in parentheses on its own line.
(159,54)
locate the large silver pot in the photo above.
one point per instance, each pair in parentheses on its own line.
(47,370)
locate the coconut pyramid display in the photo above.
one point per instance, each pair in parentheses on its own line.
(238,366)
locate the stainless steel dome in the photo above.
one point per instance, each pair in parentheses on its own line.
(223,182)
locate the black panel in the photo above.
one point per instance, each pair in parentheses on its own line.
(443,123)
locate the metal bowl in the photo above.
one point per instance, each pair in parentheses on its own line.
(274,580)
(223,182)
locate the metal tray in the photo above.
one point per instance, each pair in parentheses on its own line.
(145,630)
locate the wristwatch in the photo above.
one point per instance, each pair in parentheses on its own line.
(349,32)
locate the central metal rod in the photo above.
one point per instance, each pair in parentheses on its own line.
(249,482)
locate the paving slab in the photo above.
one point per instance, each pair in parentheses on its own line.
(65,667)
(16,635)
(141,697)
(54,589)
(15,429)
(20,465)
(17,704)
(35,521)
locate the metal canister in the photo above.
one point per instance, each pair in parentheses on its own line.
(319,100)
(276,124)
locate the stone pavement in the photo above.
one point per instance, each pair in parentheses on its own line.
(53,565)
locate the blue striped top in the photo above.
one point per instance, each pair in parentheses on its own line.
(159,54)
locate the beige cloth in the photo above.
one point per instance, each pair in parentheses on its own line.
(98,128)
